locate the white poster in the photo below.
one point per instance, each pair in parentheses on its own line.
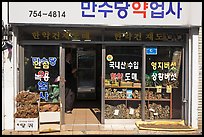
(26,124)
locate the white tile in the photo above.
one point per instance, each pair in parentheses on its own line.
(130,127)
(118,127)
(106,127)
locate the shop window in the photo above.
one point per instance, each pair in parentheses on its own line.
(41,69)
(164,82)
(123,82)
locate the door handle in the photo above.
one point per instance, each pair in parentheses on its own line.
(185,101)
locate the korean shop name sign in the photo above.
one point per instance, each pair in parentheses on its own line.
(107,13)
(110,35)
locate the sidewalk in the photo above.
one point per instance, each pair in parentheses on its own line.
(108,129)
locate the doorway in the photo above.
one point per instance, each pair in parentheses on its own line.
(87,104)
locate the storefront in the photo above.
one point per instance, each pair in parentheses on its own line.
(136,63)
(129,57)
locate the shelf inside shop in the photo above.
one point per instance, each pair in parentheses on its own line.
(140,99)
(121,87)
(161,87)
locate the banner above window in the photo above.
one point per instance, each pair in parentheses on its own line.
(98,35)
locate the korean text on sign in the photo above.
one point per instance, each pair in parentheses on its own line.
(123,65)
(155,9)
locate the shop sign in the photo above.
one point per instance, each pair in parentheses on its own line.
(70,36)
(135,35)
(156,9)
(147,36)
(57,34)
(107,13)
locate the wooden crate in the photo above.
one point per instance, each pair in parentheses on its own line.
(45,117)
(50,121)
(49,127)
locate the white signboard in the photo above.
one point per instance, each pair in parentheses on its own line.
(107,13)
(26,124)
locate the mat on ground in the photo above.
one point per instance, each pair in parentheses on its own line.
(164,125)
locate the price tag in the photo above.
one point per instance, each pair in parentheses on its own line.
(159,89)
(131,111)
(151,110)
(116,112)
(156,114)
(168,89)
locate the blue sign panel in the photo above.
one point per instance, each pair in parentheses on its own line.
(151,51)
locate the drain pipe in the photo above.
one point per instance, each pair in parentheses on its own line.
(3,99)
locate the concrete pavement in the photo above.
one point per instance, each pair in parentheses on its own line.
(107,129)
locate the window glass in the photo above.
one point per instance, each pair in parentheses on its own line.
(164,82)
(41,65)
(123,82)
